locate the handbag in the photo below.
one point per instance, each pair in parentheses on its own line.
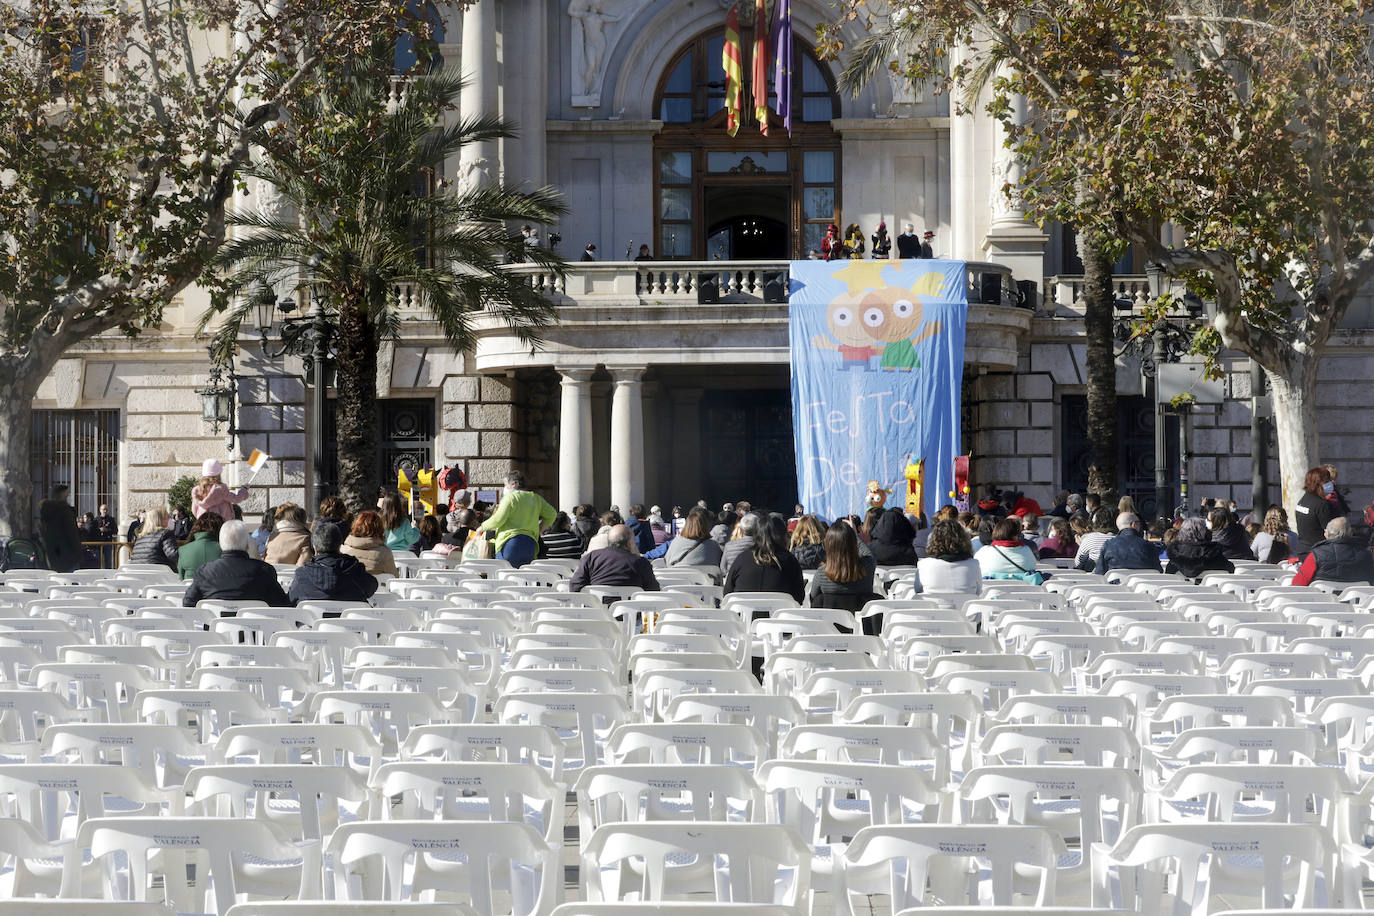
(478,547)
(1026,575)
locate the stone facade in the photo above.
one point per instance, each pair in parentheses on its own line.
(639,370)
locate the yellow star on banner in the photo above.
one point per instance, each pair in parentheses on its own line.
(862,275)
(929,284)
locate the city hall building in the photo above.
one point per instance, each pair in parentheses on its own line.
(666,380)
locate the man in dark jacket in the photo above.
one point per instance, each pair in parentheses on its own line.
(615,565)
(331,576)
(1341,557)
(1128,550)
(58,532)
(1229,535)
(235,576)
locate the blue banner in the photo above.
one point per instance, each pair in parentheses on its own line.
(877,369)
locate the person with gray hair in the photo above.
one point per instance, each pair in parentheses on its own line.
(1341,556)
(1194,552)
(741,542)
(615,564)
(331,575)
(235,576)
(1128,550)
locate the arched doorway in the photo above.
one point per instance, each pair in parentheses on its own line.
(748,197)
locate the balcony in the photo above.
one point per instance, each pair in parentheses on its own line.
(708,313)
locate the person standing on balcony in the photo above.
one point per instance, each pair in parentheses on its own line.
(832,249)
(589,253)
(926,250)
(908,244)
(882,245)
(854,241)
(517,521)
(644,254)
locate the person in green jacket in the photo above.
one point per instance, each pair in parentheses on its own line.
(517,521)
(202,547)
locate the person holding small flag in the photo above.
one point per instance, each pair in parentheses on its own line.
(212,495)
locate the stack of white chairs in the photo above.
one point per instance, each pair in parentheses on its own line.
(1132,742)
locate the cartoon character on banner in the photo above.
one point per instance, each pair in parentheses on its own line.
(915,486)
(847,336)
(893,317)
(885,321)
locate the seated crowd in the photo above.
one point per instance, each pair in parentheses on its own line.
(1002,537)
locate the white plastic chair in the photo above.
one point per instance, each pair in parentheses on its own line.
(752,863)
(1234,859)
(477,859)
(231,852)
(666,792)
(1091,804)
(471,791)
(1091,745)
(535,744)
(323,743)
(827,801)
(307,801)
(164,751)
(952,860)
(584,720)
(771,716)
(690,743)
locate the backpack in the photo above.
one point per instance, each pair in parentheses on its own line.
(22,553)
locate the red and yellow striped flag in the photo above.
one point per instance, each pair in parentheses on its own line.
(734,71)
(758,80)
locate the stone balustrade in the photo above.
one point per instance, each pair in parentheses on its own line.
(1065,292)
(730,313)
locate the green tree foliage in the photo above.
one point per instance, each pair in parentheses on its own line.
(1243,129)
(367,216)
(179,496)
(122,128)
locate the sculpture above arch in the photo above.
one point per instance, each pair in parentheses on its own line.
(596,26)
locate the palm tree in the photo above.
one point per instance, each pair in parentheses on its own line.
(366,214)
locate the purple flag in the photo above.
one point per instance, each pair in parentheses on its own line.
(781,39)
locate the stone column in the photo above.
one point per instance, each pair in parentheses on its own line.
(627,436)
(575,439)
(478,163)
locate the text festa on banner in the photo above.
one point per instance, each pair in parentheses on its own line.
(877,352)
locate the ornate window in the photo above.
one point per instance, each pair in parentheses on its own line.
(749,196)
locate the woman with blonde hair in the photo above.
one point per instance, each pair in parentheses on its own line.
(155,542)
(211,495)
(1275,541)
(808,542)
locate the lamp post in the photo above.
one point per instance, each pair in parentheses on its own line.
(217,399)
(311,337)
(1167,342)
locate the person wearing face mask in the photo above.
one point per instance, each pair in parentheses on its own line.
(1314,511)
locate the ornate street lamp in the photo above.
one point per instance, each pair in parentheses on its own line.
(311,337)
(217,399)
